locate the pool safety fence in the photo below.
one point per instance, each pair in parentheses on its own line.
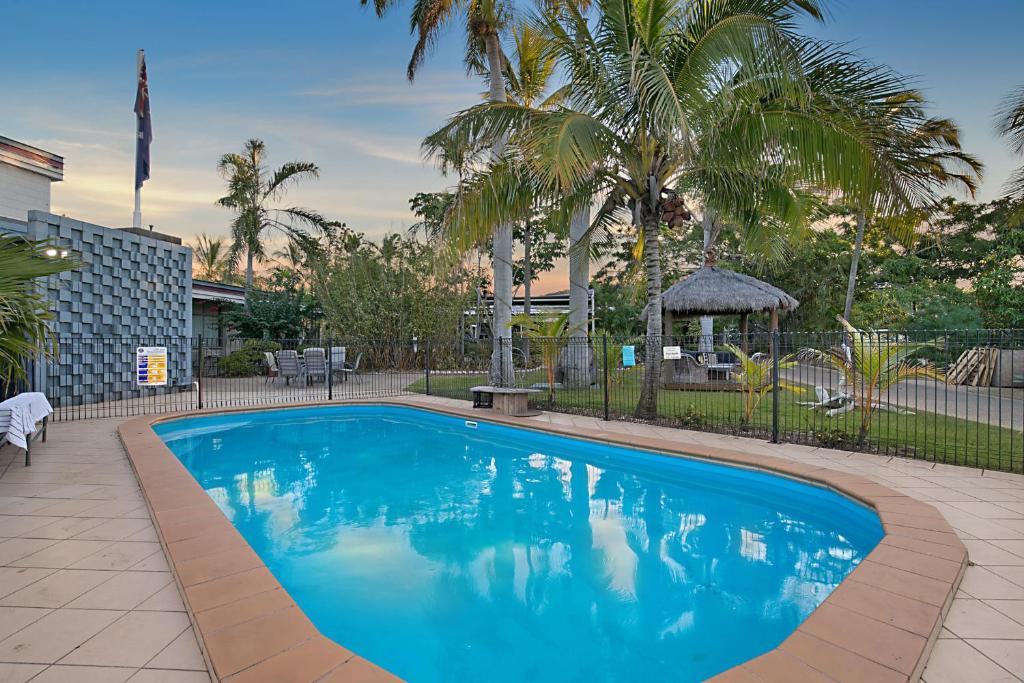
(945,396)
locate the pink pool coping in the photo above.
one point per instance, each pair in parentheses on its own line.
(879,624)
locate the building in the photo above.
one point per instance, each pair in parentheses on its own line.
(134,287)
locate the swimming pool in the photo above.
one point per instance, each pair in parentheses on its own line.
(447,552)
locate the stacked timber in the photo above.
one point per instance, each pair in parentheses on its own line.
(974,367)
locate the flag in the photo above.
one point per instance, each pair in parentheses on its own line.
(144,125)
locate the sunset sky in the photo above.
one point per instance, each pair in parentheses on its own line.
(325,82)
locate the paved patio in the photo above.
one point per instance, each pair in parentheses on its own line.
(86,593)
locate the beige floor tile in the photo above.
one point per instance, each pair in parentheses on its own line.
(58,589)
(981,582)
(975,619)
(116,508)
(183,654)
(954,661)
(13,619)
(132,640)
(989,554)
(19,673)
(124,591)
(52,637)
(60,673)
(147,534)
(116,529)
(117,555)
(65,527)
(167,599)
(61,554)
(169,676)
(1015,547)
(154,563)
(69,508)
(16,548)
(15,578)
(1011,608)
(1009,654)
(19,525)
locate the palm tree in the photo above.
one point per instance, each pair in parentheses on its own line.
(754,375)
(553,334)
(674,99)
(210,258)
(25,332)
(485,19)
(1010,124)
(253,190)
(930,150)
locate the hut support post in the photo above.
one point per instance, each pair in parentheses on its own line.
(668,321)
(775,320)
(743,334)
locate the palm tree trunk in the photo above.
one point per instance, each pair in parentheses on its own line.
(527,277)
(858,244)
(707,323)
(647,406)
(578,353)
(501,332)
(248,278)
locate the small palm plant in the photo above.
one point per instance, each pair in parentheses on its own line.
(754,374)
(870,362)
(25,332)
(552,334)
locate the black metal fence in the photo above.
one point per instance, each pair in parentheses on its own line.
(955,397)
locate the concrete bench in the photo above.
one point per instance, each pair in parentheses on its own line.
(504,400)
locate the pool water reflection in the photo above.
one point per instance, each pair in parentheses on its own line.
(446,553)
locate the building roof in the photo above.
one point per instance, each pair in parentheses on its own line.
(711,290)
(204,290)
(31,158)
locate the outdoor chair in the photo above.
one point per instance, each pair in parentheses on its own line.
(316,365)
(337,361)
(272,370)
(353,369)
(685,370)
(288,365)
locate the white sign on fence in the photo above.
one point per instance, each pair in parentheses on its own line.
(151,366)
(671,352)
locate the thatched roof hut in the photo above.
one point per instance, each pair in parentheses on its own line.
(711,290)
(715,291)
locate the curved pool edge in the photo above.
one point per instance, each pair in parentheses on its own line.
(880,623)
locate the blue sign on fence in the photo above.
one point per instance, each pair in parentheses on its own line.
(628,356)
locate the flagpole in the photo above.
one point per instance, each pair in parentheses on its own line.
(137,216)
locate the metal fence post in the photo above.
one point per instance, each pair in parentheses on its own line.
(604,349)
(426,353)
(330,372)
(775,386)
(199,374)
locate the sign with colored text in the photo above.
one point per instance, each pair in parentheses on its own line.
(151,366)
(628,356)
(671,352)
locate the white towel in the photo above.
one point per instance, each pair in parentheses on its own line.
(26,410)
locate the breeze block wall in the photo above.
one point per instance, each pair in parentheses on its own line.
(130,291)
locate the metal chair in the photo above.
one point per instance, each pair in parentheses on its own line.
(288,365)
(272,370)
(354,368)
(316,365)
(337,361)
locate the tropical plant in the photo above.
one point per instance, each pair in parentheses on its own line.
(283,308)
(869,363)
(677,99)
(252,192)
(210,260)
(754,375)
(25,332)
(1010,124)
(485,20)
(552,334)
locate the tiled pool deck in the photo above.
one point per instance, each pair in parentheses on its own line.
(86,593)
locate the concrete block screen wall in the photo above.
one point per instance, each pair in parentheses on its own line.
(130,291)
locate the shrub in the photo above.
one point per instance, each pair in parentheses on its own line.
(248,360)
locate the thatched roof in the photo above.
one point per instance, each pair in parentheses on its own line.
(715,291)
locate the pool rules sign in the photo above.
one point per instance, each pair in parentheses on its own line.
(151,366)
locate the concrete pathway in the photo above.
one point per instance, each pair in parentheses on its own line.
(86,595)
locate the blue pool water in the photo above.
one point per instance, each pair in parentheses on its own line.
(447,553)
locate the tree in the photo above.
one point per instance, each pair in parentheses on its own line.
(553,334)
(754,375)
(931,152)
(210,260)
(1010,124)
(485,19)
(671,99)
(253,190)
(25,332)
(281,309)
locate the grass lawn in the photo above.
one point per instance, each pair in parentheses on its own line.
(922,435)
